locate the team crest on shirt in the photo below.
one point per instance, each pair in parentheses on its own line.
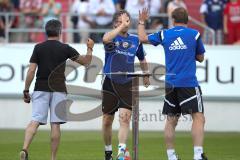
(126,45)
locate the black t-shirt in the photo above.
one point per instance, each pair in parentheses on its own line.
(51,56)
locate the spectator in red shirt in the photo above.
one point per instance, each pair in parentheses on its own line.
(31,10)
(232,21)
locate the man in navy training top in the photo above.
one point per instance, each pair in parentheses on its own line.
(120,51)
(183,47)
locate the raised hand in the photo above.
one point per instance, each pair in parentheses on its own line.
(90,43)
(143,15)
(125,20)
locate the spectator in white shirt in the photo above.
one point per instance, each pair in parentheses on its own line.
(155,8)
(133,7)
(101,11)
(172,6)
(81,20)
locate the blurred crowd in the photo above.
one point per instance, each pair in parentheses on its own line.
(35,15)
(223,16)
(97,14)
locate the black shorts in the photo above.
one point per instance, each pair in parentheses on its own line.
(183,100)
(115,96)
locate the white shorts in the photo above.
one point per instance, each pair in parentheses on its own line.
(43,101)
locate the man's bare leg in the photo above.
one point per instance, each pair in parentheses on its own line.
(169,135)
(124,120)
(198,134)
(107,134)
(30,132)
(55,139)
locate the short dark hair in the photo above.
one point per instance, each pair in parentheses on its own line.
(53,28)
(118,14)
(180,15)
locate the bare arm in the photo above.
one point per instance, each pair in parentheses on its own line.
(30,75)
(143,16)
(86,60)
(225,29)
(109,36)
(144,67)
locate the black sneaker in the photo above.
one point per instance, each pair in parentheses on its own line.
(204,157)
(23,155)
(108,155)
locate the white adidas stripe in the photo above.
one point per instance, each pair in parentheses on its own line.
(187,100)
(198,34)
(176,42)
(162,35)
(169,103)
(180,41)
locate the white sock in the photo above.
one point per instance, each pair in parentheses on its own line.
(171,154)
(108,148)
(121,147)
(198,150)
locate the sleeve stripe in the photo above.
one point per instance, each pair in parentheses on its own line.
(162,35)
(197,36)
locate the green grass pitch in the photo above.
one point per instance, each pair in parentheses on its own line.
(87,145)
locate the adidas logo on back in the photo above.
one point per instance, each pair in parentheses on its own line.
(177,44)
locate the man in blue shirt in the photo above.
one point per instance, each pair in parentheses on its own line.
(183,47)
(121,48)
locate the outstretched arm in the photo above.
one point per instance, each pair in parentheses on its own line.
(143,16)
(109,36)
(86,60)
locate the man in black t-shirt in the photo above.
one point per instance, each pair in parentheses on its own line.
(50,89)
